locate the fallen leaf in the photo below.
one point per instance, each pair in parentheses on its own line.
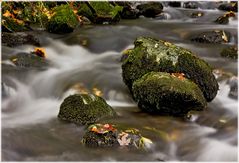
(40,52)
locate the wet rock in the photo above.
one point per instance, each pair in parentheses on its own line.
(216,36)
(150,9)
(174,4)
(63,21)
(19,38)
(13,25)
(231,6)
(106,135)
(26,60)
(190,5)
(222,19)
(84,109)
(160,56)
(164,93)
(230,52)
(100,12)
(196,14)
(128,11)
(233,82)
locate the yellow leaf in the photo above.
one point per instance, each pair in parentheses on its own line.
(8,14)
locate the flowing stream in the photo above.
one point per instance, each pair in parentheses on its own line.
(32,132)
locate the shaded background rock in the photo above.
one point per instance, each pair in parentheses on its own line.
(231,6)
(230,52)
(150,9)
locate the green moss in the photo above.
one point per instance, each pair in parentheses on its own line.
(158,92)
(156,55)
(84,109)
(64,20)
(230,52)
(11,25)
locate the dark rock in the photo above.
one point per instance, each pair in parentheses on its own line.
(128,11)
(100,12)
(84,109)
(196,14)
(216,36)
(230,52)
(164,93)
(190,5)
(231,6)
(222,19)
(174,4)
(63,21)
(160,56)
(26,60)
(233,82)
(19,38)
(150,9)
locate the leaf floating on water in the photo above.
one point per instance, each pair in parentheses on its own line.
(123,140)
(224,36)
(97,92)
(40,52)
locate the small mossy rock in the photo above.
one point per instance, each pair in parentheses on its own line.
(230,52)
(160,56)
(197,14)
(190,5)
(11,25)
(84,109)
(150,9)
(231,6)
(174,4)
(106,135)
(64,20)
(100,12)
(216,37)
(128,11)
(162,93)
(26,60)
(19,38)
(222,19)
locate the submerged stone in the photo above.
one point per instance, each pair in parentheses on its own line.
(164,93)
(64,20)
(19,38)
(84,109)
(150,9)
(230,52)
(216,36)
(222,19)
(160,56)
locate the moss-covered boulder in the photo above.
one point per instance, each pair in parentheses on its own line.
(106,135)
(160,56)
(64,20)
(170,94)
(10,24)
(214,37)
(150,9)
(231,6)
(27,60)
(84,109)
(19,38)
(230,52)
(100,12)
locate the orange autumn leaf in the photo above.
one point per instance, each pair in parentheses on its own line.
(40,52)
(8,14)
(179,75)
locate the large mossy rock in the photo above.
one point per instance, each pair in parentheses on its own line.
(150,9)
(164,93)
(100,12)
(156,55)
(214,37)
(64,20)
(84,109)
